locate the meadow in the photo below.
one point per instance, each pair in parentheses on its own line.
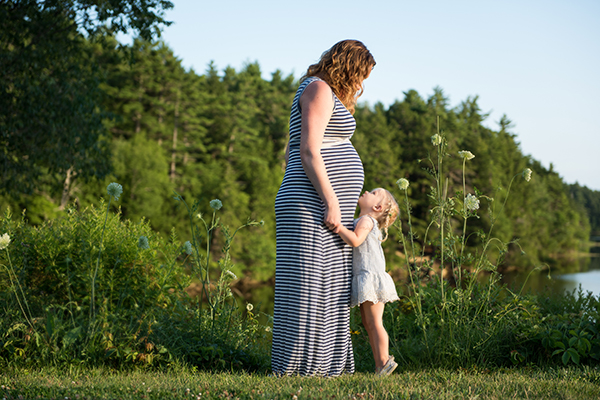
(95,306)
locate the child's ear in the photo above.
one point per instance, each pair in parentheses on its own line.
(378,208)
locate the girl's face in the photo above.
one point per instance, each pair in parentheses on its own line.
(371,201)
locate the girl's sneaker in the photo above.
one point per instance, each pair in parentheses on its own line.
(388,368)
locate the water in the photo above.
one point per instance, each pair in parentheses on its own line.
(584,272)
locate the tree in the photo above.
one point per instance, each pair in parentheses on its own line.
(50,116)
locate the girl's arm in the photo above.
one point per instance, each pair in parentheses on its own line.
(361,230)
(317,105)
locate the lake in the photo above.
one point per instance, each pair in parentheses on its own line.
(584,271)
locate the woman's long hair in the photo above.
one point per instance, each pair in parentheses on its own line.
(344,67)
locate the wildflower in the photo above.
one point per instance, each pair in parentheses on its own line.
(249,307)
(436,140)
(467,155)
(527,174)
(199,215)
(268,329)
(4,241)
(216,204)
(471,202)
(143,243)
(231,274)
(114,190)
(402,183)
(187,247)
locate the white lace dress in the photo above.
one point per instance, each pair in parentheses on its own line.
(370,281)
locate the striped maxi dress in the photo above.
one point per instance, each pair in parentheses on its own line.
(311,328)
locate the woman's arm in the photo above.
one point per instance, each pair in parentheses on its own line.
(361,230)
(317,105)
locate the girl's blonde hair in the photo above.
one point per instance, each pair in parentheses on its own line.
(389,213)
(344,67)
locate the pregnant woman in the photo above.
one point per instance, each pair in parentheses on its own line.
(323,180)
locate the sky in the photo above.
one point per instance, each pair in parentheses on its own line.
(538,62)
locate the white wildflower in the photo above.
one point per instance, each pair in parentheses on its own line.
(471,202)
(249,307)
(268,329)
(402,183)
(466,154)
(527,174)
(143,243)
(115,190)
(436,140)
(216,204)
(231,274)
(187,247)
(4,241)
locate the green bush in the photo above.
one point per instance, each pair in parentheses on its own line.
(91,289)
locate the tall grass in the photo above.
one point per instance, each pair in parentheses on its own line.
(448,317)
(92,289)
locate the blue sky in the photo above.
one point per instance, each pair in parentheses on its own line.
(538,62)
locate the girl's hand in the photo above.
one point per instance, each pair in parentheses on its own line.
(333,217)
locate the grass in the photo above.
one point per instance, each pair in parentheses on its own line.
(178,383)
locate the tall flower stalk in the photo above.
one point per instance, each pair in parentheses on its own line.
(470,203)
(14,281)
(452,246)
(216,293)
(114,190)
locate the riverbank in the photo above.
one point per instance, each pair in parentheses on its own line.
(179,383)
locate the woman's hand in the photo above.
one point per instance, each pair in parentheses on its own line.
(333,217)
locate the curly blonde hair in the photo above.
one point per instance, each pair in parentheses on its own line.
(390,212)
(344,67)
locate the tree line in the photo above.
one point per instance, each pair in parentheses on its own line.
(79,111)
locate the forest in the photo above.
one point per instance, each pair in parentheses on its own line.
(124,177)
(80,110)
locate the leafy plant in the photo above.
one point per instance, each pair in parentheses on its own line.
(461,320)
(91,289)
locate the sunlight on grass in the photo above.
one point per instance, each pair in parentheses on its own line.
(531,383)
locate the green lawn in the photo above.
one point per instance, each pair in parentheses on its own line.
(523,383)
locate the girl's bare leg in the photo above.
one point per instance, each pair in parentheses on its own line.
(372,319)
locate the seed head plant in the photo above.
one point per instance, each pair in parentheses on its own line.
(456,309)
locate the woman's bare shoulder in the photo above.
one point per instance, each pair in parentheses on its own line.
(317,89)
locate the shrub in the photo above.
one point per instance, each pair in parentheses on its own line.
(89,288)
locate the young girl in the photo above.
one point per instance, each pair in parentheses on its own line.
(372,286)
